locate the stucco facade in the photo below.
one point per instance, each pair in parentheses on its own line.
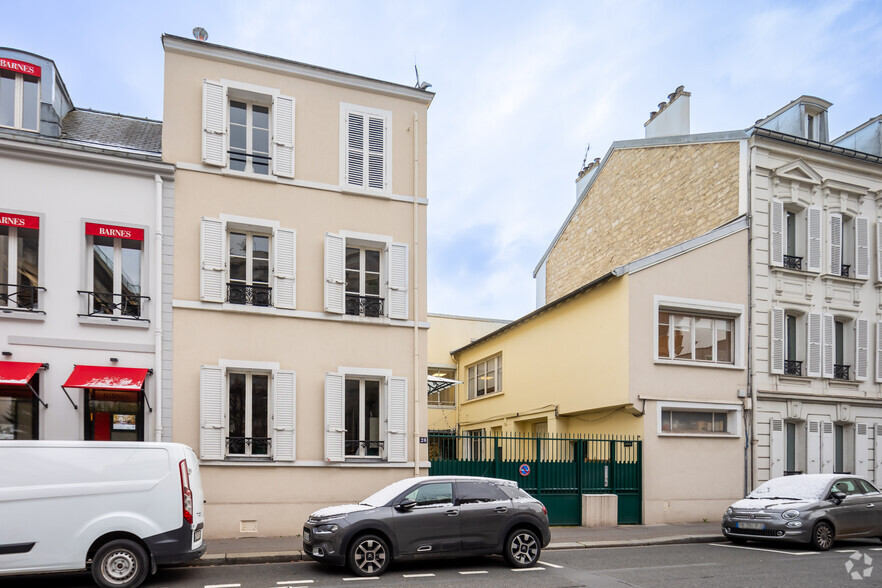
(300,277)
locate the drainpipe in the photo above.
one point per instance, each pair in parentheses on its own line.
(416,298)
(157,319)
(749,414)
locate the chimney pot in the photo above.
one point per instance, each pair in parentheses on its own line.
(662,105)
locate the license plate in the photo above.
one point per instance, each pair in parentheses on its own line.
(306,536)
(757,526)
(197,535)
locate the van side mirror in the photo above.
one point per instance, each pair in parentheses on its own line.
(405,504)
(838,497)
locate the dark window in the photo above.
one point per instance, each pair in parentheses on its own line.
(477,492)
(19,412)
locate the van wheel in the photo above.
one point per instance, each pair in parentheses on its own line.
(522,548)
(120,564)
(368,556)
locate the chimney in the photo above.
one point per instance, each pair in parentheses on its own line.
(585,176)
(671,118)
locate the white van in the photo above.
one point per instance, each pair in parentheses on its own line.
(121,508)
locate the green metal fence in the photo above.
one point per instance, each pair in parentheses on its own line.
(555,468)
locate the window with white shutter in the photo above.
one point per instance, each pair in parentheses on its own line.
(212,260)
(862,349)
(366,275)
(861,450)
(836,244)
(828,448)
(284,433)
(813,448)
(879,352)
(211,412)
(814,252)
(335,430)
(285,268)
(776,448)
(365,148)
(776,233)
(815,345)
(861,248)
(879,251)
(246,128)
(776,329)
(829,345)
(396,426)
(877,446)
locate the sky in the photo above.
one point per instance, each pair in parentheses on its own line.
(522,90)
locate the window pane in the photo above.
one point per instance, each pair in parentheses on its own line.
(372,261)
(482,378)
(372,284)
(353,257)
(261,247)
(691,422)
(30,105)
(7,98)
(840,345)
(260,271)
(472,381)
(259,414)
(17,415)
(237,269)
(237,413)
(664,321)
(131,266)
(352,281)
(238,137)
(682,337)
(704,339)
(238,160)
(372,416)
(260,142)
(238,113)
(102,272)
(260,166)
(238,244)
(724,341)
(350,417)
(260,117)
(499,373)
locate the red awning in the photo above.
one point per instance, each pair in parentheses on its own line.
(106,378)
(17,373)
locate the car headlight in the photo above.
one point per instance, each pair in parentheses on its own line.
(790,514)
(324,529)
(729,511)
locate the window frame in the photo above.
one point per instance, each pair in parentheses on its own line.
(18,101)
(362,453)
(117,275)
(450,373)
(364,186)
(249,233)
(732,412)
(13,260)
(249,412)
(249,153)
(704,309)
(473,374)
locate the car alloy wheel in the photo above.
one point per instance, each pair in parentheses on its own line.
(522,548)
(368,556)
(822,536)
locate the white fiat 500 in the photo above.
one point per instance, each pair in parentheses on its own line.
(811,508)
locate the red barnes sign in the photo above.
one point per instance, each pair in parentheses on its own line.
(19,220)
(114,232)
(20,67)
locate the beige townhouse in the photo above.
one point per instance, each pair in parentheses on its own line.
(299,304)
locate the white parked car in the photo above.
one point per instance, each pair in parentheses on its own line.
(120,509)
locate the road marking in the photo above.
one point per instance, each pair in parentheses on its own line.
(475,572)
(766,549)
(419,575)
(290,582)
(876,549)
(360,579)
(528,569)
(223,585)
(550,565)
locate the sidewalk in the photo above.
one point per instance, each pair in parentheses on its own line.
(285,549)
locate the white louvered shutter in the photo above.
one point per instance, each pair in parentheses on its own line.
(861,450)
(398,280)
(878,455)
(813,448)
(285,268)
(335,264)
(283,136)
(836,244)
(829,344)
(214,126)
(814,257)
(776,448)
(879,352)
(776,233)
(776,359)
(862,348)
(396,424)
(335,431)
(815,345)
(355,149)
(879,251)
(284,416)
(376,153)
(211,284)
(828,448)
(862,248)
(211,412)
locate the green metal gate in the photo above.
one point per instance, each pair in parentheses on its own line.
(559,468)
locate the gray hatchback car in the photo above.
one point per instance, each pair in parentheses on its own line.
(810,508)
(430,516)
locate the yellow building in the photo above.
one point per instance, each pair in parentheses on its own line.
(299,304)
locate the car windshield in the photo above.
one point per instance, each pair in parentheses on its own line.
(795,487)
(383,496)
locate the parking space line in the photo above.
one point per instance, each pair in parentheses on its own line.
(528,569)
(550,565)
(766,549)
(360,579)
(419,575)
(223,585)
(474,572)
(291,582)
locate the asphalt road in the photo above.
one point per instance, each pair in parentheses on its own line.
(706,565)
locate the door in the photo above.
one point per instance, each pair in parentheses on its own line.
(857,513)
(483,512)
(432,525)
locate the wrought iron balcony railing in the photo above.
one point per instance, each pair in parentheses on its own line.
(840,372)
(118,306)
(19,297)
(845,271)
(258,445)
(793,262)
(364,305)
(792,367)
(251,294)
(363,447)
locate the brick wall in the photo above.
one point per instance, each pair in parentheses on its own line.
(643,201)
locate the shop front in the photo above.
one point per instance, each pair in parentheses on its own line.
(20,400)
(113,401)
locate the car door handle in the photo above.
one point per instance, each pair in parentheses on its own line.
(452,513)
(501,509)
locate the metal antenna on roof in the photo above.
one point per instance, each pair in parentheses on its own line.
(584,159)
(419,85)
(200,34)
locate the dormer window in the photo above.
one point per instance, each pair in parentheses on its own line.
(815,121)
(19,95)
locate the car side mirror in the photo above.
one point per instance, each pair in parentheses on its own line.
(406,504)
(838,496)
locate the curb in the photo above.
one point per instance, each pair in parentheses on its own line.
(219,559)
